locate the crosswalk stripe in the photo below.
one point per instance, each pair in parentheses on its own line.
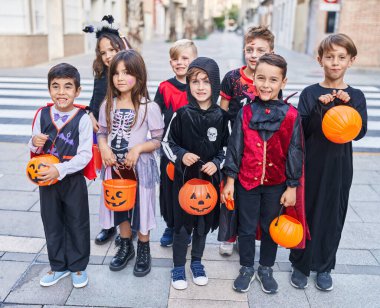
(21,96)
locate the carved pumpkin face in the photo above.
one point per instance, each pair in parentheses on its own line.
(37,165)
(341,124)
(197,197)
(119,194)
(286,231)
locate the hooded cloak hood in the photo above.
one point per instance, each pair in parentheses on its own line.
(212,70)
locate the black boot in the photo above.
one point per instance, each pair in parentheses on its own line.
(105,235)
(125,253)
(143,259)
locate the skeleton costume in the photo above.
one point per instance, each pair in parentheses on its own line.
(204,133)
(124,135)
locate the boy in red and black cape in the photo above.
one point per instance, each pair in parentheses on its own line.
(264,168)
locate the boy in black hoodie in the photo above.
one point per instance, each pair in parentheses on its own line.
(195,142)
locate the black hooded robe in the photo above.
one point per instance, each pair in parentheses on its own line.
(204,133)
(328,178)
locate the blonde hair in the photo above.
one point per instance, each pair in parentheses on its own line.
(179,46)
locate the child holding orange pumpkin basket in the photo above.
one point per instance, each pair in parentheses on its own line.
(329,167)
(264,168)
(65,132)
(195,142)
(125,119)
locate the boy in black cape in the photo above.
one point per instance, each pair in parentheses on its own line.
(195,142)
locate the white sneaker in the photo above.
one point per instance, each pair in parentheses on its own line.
(226,248)
(199,275)
(179,278)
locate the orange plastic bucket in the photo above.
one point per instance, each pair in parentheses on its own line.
(119,194)
(170,170)
(37,165)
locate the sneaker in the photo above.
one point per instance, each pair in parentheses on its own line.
(244,280)
(226,248)
(179,278)
(265,276)
(298,279)
(80,279)
(324,281)
(52,278)
(199,275)
(167,238)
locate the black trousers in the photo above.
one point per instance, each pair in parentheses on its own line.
(65,216)
(261,204)
(180,241)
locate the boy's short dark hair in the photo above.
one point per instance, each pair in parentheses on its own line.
(274,60)
(194,72)
(261,32)
(64,70)
(339,39)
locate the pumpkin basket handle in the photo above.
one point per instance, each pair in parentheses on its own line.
(279,214)
(116,171)
(184,173)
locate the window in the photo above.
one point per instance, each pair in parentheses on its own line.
(330,22)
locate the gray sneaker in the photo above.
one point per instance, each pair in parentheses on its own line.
(265,276)
(324,282)
(244,280)
(298,279)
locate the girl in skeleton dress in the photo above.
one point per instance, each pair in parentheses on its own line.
(125,119)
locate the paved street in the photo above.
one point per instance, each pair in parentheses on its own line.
(23,255)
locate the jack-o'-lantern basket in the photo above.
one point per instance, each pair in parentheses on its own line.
(119,194)
(38,164)
(97,157)
(170,169)
(197,196)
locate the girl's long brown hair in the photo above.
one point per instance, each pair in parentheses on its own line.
(116,42)
(135,66)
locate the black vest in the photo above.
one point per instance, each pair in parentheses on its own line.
(62,143)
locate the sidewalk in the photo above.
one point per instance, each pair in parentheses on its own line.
(23,256)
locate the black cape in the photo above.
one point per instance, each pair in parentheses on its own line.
(202,132)
(328,178)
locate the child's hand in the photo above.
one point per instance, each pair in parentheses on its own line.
(40,140)
(95,124)
(189,158)
(288,198)
(327,98)
(228,192)
(50,174)
(343,96)
(209,168)
(108,157)
(132,157)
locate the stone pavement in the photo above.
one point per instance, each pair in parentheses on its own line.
(23,256)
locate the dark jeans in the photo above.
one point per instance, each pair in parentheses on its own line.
(180,241)
(65,216)
(261,204)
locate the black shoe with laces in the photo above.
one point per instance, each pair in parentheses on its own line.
(143,259)
(244,280)
(265,276)
(298,279)
(125,253)
(324,281)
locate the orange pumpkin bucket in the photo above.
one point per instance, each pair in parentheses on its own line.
(39,164)
(341,124)
(286,231)
(97,157)
(119,194)
(170,170)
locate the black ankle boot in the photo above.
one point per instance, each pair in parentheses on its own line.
(104,236)
(143,259)
(125,253)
